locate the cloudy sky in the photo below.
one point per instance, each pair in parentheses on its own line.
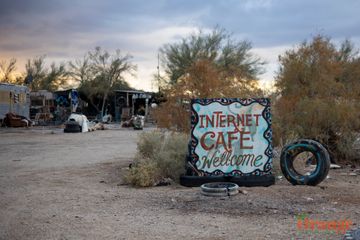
(65,30)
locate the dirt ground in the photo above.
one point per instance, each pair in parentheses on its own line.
(69,186)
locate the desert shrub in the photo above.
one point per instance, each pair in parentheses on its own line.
(318,86)
(160,155)
(143,174)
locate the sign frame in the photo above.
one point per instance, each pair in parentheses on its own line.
(242,102)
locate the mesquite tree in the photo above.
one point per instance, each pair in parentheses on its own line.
(318,87)
(99,72)
(205,66)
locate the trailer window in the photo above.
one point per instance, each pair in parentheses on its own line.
(4,97)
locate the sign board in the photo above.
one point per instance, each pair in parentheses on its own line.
(231,136)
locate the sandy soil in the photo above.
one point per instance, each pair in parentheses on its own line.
(69,186)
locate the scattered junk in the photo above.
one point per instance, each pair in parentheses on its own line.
(137,122)
(42,107)
(76,123)
(79,123)
(128,103)
(128,123)
(13,120)
(43,118)
(334,166)
(107,118)
(219,189)
(49,108)
(93,126)
(65,103)
(14,99)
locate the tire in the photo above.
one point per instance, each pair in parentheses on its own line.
(72,127)
(242,181)
(70,130)
(219,189)
(332,157)
(289,153)
(253,181)
(197,181)
(353,234)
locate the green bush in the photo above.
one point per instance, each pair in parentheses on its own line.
(160,155)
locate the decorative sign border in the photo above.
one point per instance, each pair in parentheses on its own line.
(266,114)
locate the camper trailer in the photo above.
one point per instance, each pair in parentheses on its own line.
(14,99)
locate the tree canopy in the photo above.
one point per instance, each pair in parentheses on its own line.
(230,56)
(100,72)
(39,77)
(7,70)
(205,66)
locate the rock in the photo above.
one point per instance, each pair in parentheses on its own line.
(243,192)
(334,166)
(279,177)
(309,199)
(165,182)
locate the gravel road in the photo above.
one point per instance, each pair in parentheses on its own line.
(70,186)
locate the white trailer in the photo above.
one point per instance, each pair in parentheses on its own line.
(14,99)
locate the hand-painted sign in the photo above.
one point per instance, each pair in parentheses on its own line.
(231,136)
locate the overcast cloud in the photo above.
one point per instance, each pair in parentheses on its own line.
(67,29)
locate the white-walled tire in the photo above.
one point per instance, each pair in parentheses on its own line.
(219,189)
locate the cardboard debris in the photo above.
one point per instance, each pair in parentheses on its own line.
(97,126)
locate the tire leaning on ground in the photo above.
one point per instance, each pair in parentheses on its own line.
(289,153)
